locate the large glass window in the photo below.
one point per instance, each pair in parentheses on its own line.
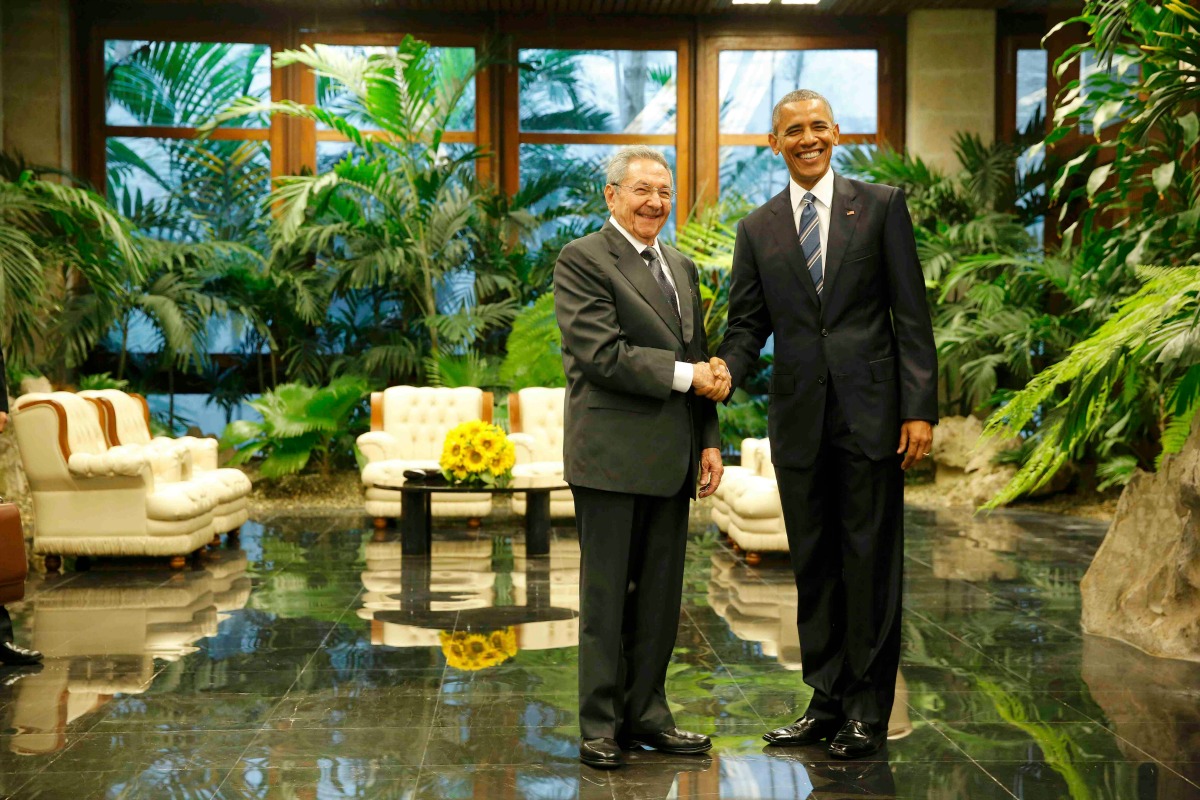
(177,187)
(1031,87)
(750,82)
(576,107)
(589,91)
(452,64)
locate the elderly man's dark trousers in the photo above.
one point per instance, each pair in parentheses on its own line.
(631,582)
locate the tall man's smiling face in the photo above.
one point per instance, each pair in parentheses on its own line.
(642,202)
(805,136)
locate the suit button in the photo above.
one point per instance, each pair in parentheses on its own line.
(821,379)
(824,332)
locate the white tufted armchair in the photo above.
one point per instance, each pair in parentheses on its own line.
(92,499)
(125,418)
(746,504)
(408,428)
(535,417)
(733,474)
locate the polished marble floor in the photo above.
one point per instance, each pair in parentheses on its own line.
(316,662)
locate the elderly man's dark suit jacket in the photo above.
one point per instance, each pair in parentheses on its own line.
(870,333)
(631,448)
(625,430)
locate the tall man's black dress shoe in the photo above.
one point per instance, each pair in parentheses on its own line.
(804,731)
(16,656)
(673,740)
(857,740)
(600,753)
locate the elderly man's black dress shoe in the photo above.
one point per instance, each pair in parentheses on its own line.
(673,740)
(804,731)
(857,739)
(16,656)
(600,753)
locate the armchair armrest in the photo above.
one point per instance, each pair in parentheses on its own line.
(379,446)
(525,445)
(128,461)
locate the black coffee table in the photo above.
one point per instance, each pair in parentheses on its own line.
(416,514)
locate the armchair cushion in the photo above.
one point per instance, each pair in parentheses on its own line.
(172,502)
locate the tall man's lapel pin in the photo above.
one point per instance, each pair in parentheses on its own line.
(850,212)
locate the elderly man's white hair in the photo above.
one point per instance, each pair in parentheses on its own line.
(618,165)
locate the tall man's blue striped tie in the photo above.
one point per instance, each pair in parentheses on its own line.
(810,241)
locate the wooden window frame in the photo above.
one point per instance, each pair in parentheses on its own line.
(480,136)
(1025,34)
(670,40)
(710,139)
(99,130)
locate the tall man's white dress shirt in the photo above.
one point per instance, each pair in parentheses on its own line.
(823,203)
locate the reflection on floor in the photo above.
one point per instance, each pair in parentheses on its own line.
(319,662)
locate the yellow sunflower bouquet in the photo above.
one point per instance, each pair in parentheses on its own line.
(470,651)
(477,453)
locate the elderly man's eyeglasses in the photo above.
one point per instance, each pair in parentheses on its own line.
(642,190)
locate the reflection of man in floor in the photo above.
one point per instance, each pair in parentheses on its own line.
(760,606)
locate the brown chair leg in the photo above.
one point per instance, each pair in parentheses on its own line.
(737,548)
(53,563)
(178,562)
(216,541)
(753,559)
(380,523)
(474,522)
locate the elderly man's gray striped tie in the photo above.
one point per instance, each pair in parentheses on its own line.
(810,241)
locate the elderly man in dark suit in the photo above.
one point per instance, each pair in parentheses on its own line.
(640,433)
(10,654)
(829,266)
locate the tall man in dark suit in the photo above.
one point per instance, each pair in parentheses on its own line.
(829,266)
(10,654)
(640,432)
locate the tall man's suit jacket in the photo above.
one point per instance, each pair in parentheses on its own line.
(870,331)
(625,429)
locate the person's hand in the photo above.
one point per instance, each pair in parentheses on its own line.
(3,420)
(711,470)
(916,439)
(707,384)
(721,371)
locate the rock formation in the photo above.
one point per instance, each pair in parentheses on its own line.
(1143,586)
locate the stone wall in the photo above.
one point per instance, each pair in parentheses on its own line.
(35,81)
(951,81)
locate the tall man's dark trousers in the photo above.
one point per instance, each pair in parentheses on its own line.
(631,582)
(845,529)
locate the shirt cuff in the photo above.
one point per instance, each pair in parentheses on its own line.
(684,373)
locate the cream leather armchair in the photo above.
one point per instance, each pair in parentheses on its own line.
(125,418)
(749,466)
(535,417)
(408,428)
(92,499)
(755,515)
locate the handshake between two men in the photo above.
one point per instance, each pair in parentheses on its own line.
(712,379)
